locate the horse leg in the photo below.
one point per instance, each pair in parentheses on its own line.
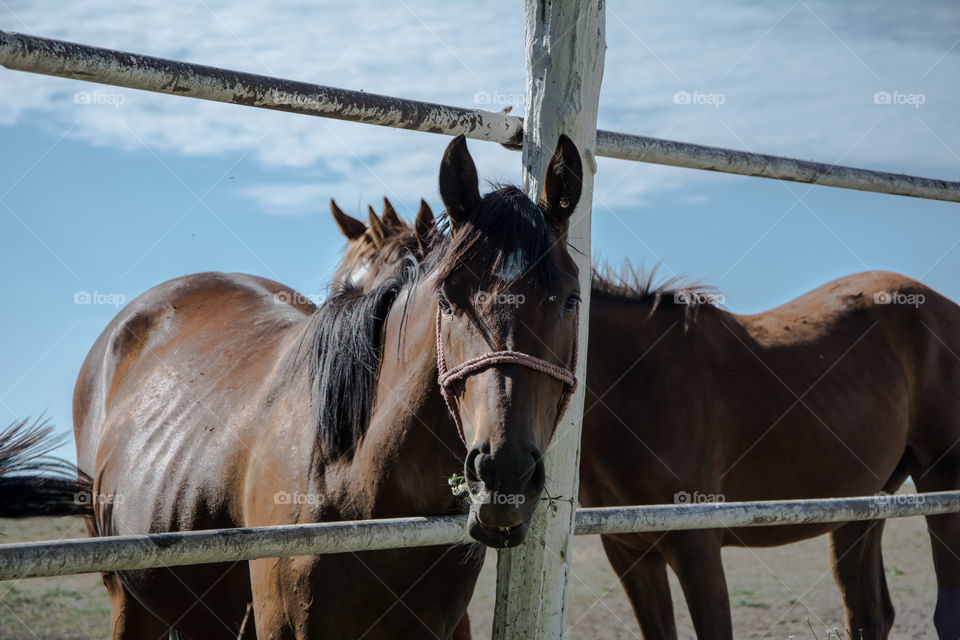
(129,620)
(943,474)
(643,575)
(462,630)
(695,558)
(857,564)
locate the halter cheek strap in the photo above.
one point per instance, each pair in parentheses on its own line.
(447,377)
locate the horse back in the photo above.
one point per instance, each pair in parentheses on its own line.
(166,384)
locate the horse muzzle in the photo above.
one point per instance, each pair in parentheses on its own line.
(504,495)
(496,537)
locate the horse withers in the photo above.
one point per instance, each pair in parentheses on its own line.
(216,401)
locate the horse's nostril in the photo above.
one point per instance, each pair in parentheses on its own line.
(512,471)
(539,474)
(485,468)
(529,472)
(470,468)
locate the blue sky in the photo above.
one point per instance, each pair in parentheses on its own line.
(107,191)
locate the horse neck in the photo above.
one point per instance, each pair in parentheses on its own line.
(411,445)
(658,333)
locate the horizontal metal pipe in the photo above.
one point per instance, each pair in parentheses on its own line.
(107,66)
(695,156)
(730,515)
(36,559)
(114,553)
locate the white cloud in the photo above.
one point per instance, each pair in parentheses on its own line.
(796,79)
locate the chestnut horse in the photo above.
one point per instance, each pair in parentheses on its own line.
(842,392)
(215,401)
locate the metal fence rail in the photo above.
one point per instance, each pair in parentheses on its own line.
(118,68)
(86,555)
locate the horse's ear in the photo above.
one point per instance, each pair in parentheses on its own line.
(562,185)
(390,217)
(423,227)
(459,185)
(348,225)
(378,232)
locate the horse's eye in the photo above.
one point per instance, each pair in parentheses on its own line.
(571,303)
(445,307)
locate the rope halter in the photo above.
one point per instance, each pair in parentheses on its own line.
(447,377)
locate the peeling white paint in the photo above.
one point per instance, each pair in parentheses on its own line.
(81,62)
(565,52)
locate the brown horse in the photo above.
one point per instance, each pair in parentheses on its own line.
(213,401)
(374,252)
(841,392)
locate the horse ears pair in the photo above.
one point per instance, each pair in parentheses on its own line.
(384,226)
(562,184)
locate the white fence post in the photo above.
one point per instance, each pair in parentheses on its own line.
(564,52)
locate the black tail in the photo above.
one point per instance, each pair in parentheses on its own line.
(34,483)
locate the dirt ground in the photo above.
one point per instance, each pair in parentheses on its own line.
(774,592)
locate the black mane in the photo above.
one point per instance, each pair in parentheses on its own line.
(342,347)
(640,285)
(505,225)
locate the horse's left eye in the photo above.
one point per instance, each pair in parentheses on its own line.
(571,303)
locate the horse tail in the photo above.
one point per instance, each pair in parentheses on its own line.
(34,483)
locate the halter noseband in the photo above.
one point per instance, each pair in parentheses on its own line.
(446,377)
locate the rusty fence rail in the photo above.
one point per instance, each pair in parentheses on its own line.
(106,66)
(117,553)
